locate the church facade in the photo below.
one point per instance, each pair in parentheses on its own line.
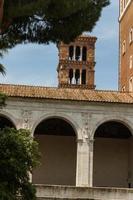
(85,136)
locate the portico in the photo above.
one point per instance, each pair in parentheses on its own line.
(79,139)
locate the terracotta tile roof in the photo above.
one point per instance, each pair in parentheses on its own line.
(66,94)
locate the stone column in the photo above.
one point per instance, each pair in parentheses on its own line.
(74,53)
(30,177)
(74,80)
(82,170)
(130,163)
(91,148)
(81,53)
(80,76)
(87,76)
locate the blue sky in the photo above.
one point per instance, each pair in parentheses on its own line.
(36,64)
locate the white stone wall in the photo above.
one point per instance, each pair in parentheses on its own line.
(85,118)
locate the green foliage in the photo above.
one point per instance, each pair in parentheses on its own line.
(18,156)
(3,98)
(47,21)
(2,68)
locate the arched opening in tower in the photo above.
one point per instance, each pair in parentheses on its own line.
(77,76)
(57,143)
(84,76)
(71,52)
(71,76)
(6,123)
(113,156)
(77,53)
(84,54)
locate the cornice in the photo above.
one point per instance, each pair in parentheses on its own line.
(124,11)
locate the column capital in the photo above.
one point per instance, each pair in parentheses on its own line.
(90,140)
(80,140)
(91,144)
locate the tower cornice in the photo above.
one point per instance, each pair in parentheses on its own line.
(74,62)
(124,10)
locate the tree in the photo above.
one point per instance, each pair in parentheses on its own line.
(2,68)
(47,21)
(1,9)
(18,155)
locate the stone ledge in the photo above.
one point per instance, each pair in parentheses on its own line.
(84,193)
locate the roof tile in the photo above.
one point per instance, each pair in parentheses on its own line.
(66,94)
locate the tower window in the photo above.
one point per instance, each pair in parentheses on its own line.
(77,53)
(121,6)
(71,52)
(77,76)
(124,3)
(123,89)
(70,75)
(84,56)
(131,84)
(131,36)
(124,47)
(131,62)
(83,76)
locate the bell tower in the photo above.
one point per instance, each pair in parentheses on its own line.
(76,66)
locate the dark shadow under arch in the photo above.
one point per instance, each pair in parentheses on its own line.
(84,54)
(71,52)
(113,129)
(113,162)
(77,53)
(70,76)
(55,126)
(6,122)
(57,143)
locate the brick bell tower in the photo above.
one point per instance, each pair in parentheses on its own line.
(76,66)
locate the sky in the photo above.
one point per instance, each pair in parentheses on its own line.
(36,64)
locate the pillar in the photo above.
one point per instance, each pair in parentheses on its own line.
(80,76)
(74,81)
(74,53)
(130,163)
(91,154)
(87,76)
(30,177)
(82,170)
(81,53)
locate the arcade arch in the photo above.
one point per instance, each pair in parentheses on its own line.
(57,143)
(5,121)
(112,155)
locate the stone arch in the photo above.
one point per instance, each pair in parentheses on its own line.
(71,52)
(84,77)
(56,136)
(63,116)
(120,119)
(113,152)
(71,76)
(78,52)
(9,117)
(77,76)
(84,53)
